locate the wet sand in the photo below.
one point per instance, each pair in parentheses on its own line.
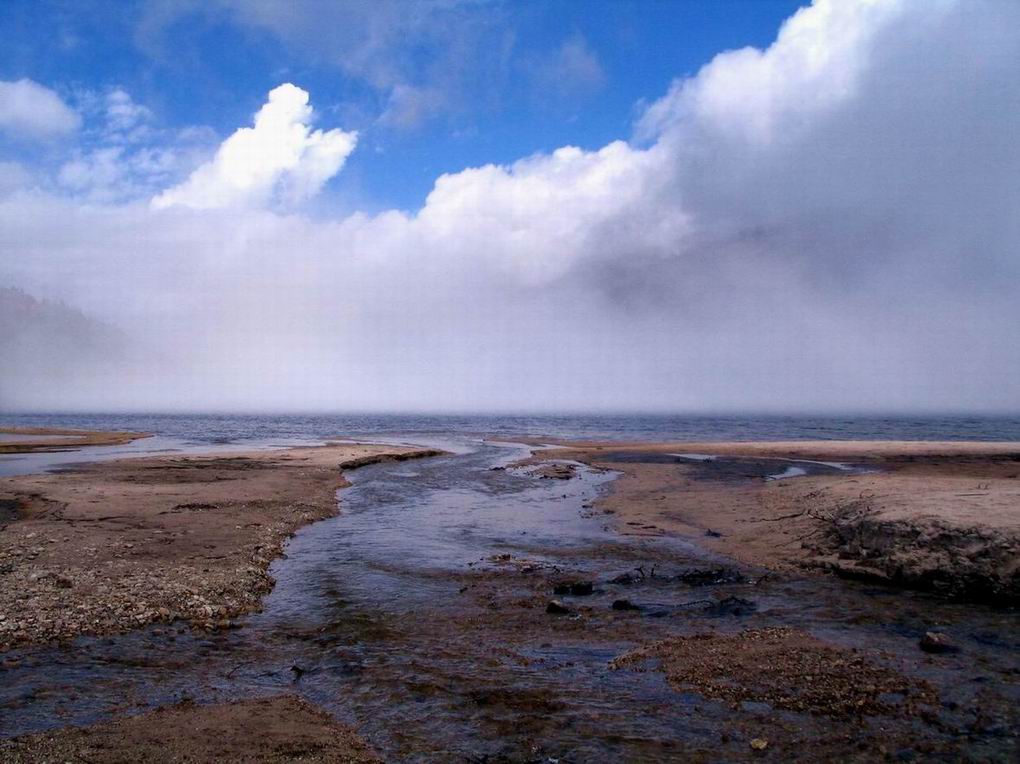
(113,546)
(936,516)
(27,440)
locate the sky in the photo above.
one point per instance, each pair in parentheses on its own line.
(471,205)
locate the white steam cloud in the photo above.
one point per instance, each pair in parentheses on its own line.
(827,224)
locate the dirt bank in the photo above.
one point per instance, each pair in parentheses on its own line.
(25,440)
(278,729)
(111,546)
(934,516)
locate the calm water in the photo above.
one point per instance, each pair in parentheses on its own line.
(239,428)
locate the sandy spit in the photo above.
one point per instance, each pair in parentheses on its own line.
(33,439)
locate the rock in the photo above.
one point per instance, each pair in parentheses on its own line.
(710,577)
(937,642)
(731,606)
(759,744)
(554,471)
(555,607)
(624,605)
(575,588)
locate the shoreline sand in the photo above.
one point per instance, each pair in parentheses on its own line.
(936,516)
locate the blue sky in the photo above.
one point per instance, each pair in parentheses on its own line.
(511,79)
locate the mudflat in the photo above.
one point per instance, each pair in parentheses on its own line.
(942,516)
(108,547)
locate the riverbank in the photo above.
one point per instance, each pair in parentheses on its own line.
(935,516)
(112,546)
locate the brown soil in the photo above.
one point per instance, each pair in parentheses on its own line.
(55,439)
(785,668)
(115,545)
(278,729)
(938,516)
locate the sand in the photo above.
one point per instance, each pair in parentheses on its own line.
(112,546)
(24,440)
(284,728)
(942,516)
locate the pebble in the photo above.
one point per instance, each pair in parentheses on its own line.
(937,642)
(555,607)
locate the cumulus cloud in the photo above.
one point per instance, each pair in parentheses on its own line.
(279,159)
(825,224)
(28,109)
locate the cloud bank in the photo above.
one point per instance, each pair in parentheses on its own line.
(825,224)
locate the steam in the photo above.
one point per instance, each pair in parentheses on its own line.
(827,224)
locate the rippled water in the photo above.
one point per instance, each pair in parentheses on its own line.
(419,615)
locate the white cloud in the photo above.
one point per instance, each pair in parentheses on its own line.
(32,110)
(570,71)
(123,155)
(280,159)
(420,59)
(827,223)
(124,117)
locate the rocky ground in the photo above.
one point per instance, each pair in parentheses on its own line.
(276,729)
(111,546)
